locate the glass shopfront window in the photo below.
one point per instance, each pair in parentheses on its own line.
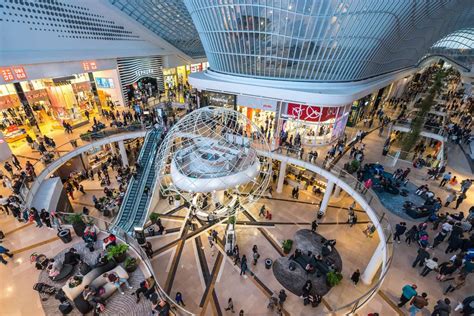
(315,125)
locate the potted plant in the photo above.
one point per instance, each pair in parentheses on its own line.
(130,264)
(286,245)
(333,278)
(177,200)
(77,224)
(117,253)
(154,217)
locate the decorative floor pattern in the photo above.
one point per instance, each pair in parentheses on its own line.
(294,281)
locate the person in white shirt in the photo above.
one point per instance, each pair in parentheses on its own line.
(430,265)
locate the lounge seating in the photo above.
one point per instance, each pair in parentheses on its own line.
(84,306)
(320,266)
(66,271)
(74,292)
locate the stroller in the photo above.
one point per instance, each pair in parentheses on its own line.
(44,289)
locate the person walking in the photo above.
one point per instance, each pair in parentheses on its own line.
(261,213)
(243,265)
(16,162)
(282,297)
(459,200)
(230,305)
(4,251)
(399,230)
(442,308)
(179,299)
(418,303)
(458,282)
(408,292)
(410,234)
(430,265)
(421,257)
(314,226)
(451,198)
(445,179)
(355,277)
(255,254)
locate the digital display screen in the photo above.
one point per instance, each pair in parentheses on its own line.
(106,83)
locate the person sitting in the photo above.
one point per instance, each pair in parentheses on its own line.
(72,257)
(74,281)
(326,250)
(110,240)
(54,268)
(308,286)
(147,287)
(309,268)
(117,281)
(421,189)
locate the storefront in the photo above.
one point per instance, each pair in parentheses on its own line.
(263,112)
(315,125)
(210,98)
(177,78)
(32,102)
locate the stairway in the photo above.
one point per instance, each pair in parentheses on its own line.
(135,204)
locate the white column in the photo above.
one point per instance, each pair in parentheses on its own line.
(281,177)
(326,197)
(337,191)
(123,153)
(373,265)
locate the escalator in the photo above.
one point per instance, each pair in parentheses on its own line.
(135,204)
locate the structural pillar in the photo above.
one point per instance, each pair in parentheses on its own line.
(337,191)
(281,177)
(326,197)
(123,153)
(374,265)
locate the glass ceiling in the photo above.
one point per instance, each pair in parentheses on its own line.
(169,19)
(462,39)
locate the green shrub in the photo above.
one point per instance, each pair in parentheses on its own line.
(286,245)
(333,278)
(74,219)
(130,262)
(116,251)
(154,217)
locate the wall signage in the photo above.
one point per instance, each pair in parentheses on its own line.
(257,103)
(7,74)
(310,113)
(89,65)
(144,72)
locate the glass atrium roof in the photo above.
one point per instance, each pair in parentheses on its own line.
(169,19)
(462,39)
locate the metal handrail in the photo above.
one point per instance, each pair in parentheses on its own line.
(132,180)
(101,134)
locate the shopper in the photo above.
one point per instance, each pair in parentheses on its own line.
(445,179)
(430,265)
(314,226)
(4,251)
(458,282)
(243,265)
(355,277)
(442,308)
(408,292)
(230,305)
(399,230)
(179,299)
(459,200)
(421,257)
(418,303)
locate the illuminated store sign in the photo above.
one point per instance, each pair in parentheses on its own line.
(89,65)
(144,72)
(15,72)
(310,113)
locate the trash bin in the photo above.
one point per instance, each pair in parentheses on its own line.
(65,235)
(268,263)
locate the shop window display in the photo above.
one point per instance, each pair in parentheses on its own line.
(314,125)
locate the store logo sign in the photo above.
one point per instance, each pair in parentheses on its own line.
(89,65)
(15,72)
(140,73)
